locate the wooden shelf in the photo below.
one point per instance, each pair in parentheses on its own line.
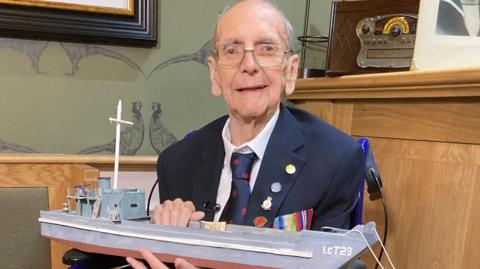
(75,159)
(409,84)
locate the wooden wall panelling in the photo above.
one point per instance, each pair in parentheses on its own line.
(472,244)
(323,109)
(430,197)
(425,133)
(442,119)
(338,113)
(342,115)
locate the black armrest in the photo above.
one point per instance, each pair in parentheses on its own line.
(85,260)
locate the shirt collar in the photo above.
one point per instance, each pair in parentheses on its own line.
(257,145)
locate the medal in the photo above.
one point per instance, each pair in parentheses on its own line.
(290,169)
(267,204)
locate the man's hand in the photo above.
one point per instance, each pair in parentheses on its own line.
(176,213)
(173,213)
(154,263)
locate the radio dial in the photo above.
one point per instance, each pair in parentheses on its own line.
(365,29)
(395,30)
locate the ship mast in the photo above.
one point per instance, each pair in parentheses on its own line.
(119,121)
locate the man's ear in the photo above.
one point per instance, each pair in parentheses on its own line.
(291,74)
(212,66)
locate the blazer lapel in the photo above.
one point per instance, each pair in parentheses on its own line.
(283,149)
(207,176)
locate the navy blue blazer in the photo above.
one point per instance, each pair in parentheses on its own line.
(329,168)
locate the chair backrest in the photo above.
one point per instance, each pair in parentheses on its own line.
(356,216)
(27,185)
(21,244)
(372,177)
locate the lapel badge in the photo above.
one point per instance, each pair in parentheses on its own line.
(290,169)
(276,187)
(267,204)
(260,221)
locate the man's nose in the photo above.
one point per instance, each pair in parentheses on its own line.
(249,63)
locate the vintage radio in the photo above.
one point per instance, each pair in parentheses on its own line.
(371,36)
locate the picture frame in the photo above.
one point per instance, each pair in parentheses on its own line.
(118,7)
(437,48)
(86,23)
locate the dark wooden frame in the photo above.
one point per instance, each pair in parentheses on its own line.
(75,26)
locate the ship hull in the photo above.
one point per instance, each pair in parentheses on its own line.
(238,247)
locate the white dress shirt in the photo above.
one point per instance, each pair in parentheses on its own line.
(257,145)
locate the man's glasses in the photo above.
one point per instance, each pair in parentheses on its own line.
(266,55)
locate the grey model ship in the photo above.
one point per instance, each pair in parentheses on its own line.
(108,221)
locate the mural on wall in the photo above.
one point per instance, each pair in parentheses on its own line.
(10,147)
(200,56)
(131,139)
(32,49)
(70,77)
(160,136)
(78,52)
(132,136)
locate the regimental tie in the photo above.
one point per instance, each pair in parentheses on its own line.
(236,207)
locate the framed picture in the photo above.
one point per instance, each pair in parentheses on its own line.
(119,22)
(119,7)
(448,35)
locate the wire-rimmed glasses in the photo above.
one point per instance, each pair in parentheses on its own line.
(266,55)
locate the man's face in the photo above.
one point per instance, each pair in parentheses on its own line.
(250,90)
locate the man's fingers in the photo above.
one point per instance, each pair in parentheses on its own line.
(189,205)
(156,214)
(183,217)
(183,211)
(176,213)
(151,259)
(183,264)
(165,215)
(135,263)
(197,216)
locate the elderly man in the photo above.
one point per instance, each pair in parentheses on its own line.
(264,162)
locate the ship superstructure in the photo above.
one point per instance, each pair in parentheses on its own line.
(105,202)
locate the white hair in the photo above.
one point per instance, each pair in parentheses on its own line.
(288,26)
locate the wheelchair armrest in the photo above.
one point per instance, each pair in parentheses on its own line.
(85,260)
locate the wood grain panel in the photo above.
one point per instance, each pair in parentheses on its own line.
(342,116)
(430,202)
(323,109)
(425,130)
(472,244)
(338,114)
(33,175)
(443,120)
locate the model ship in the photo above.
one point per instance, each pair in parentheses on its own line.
(112,221)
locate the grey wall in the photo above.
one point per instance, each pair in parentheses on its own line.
(57,97)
